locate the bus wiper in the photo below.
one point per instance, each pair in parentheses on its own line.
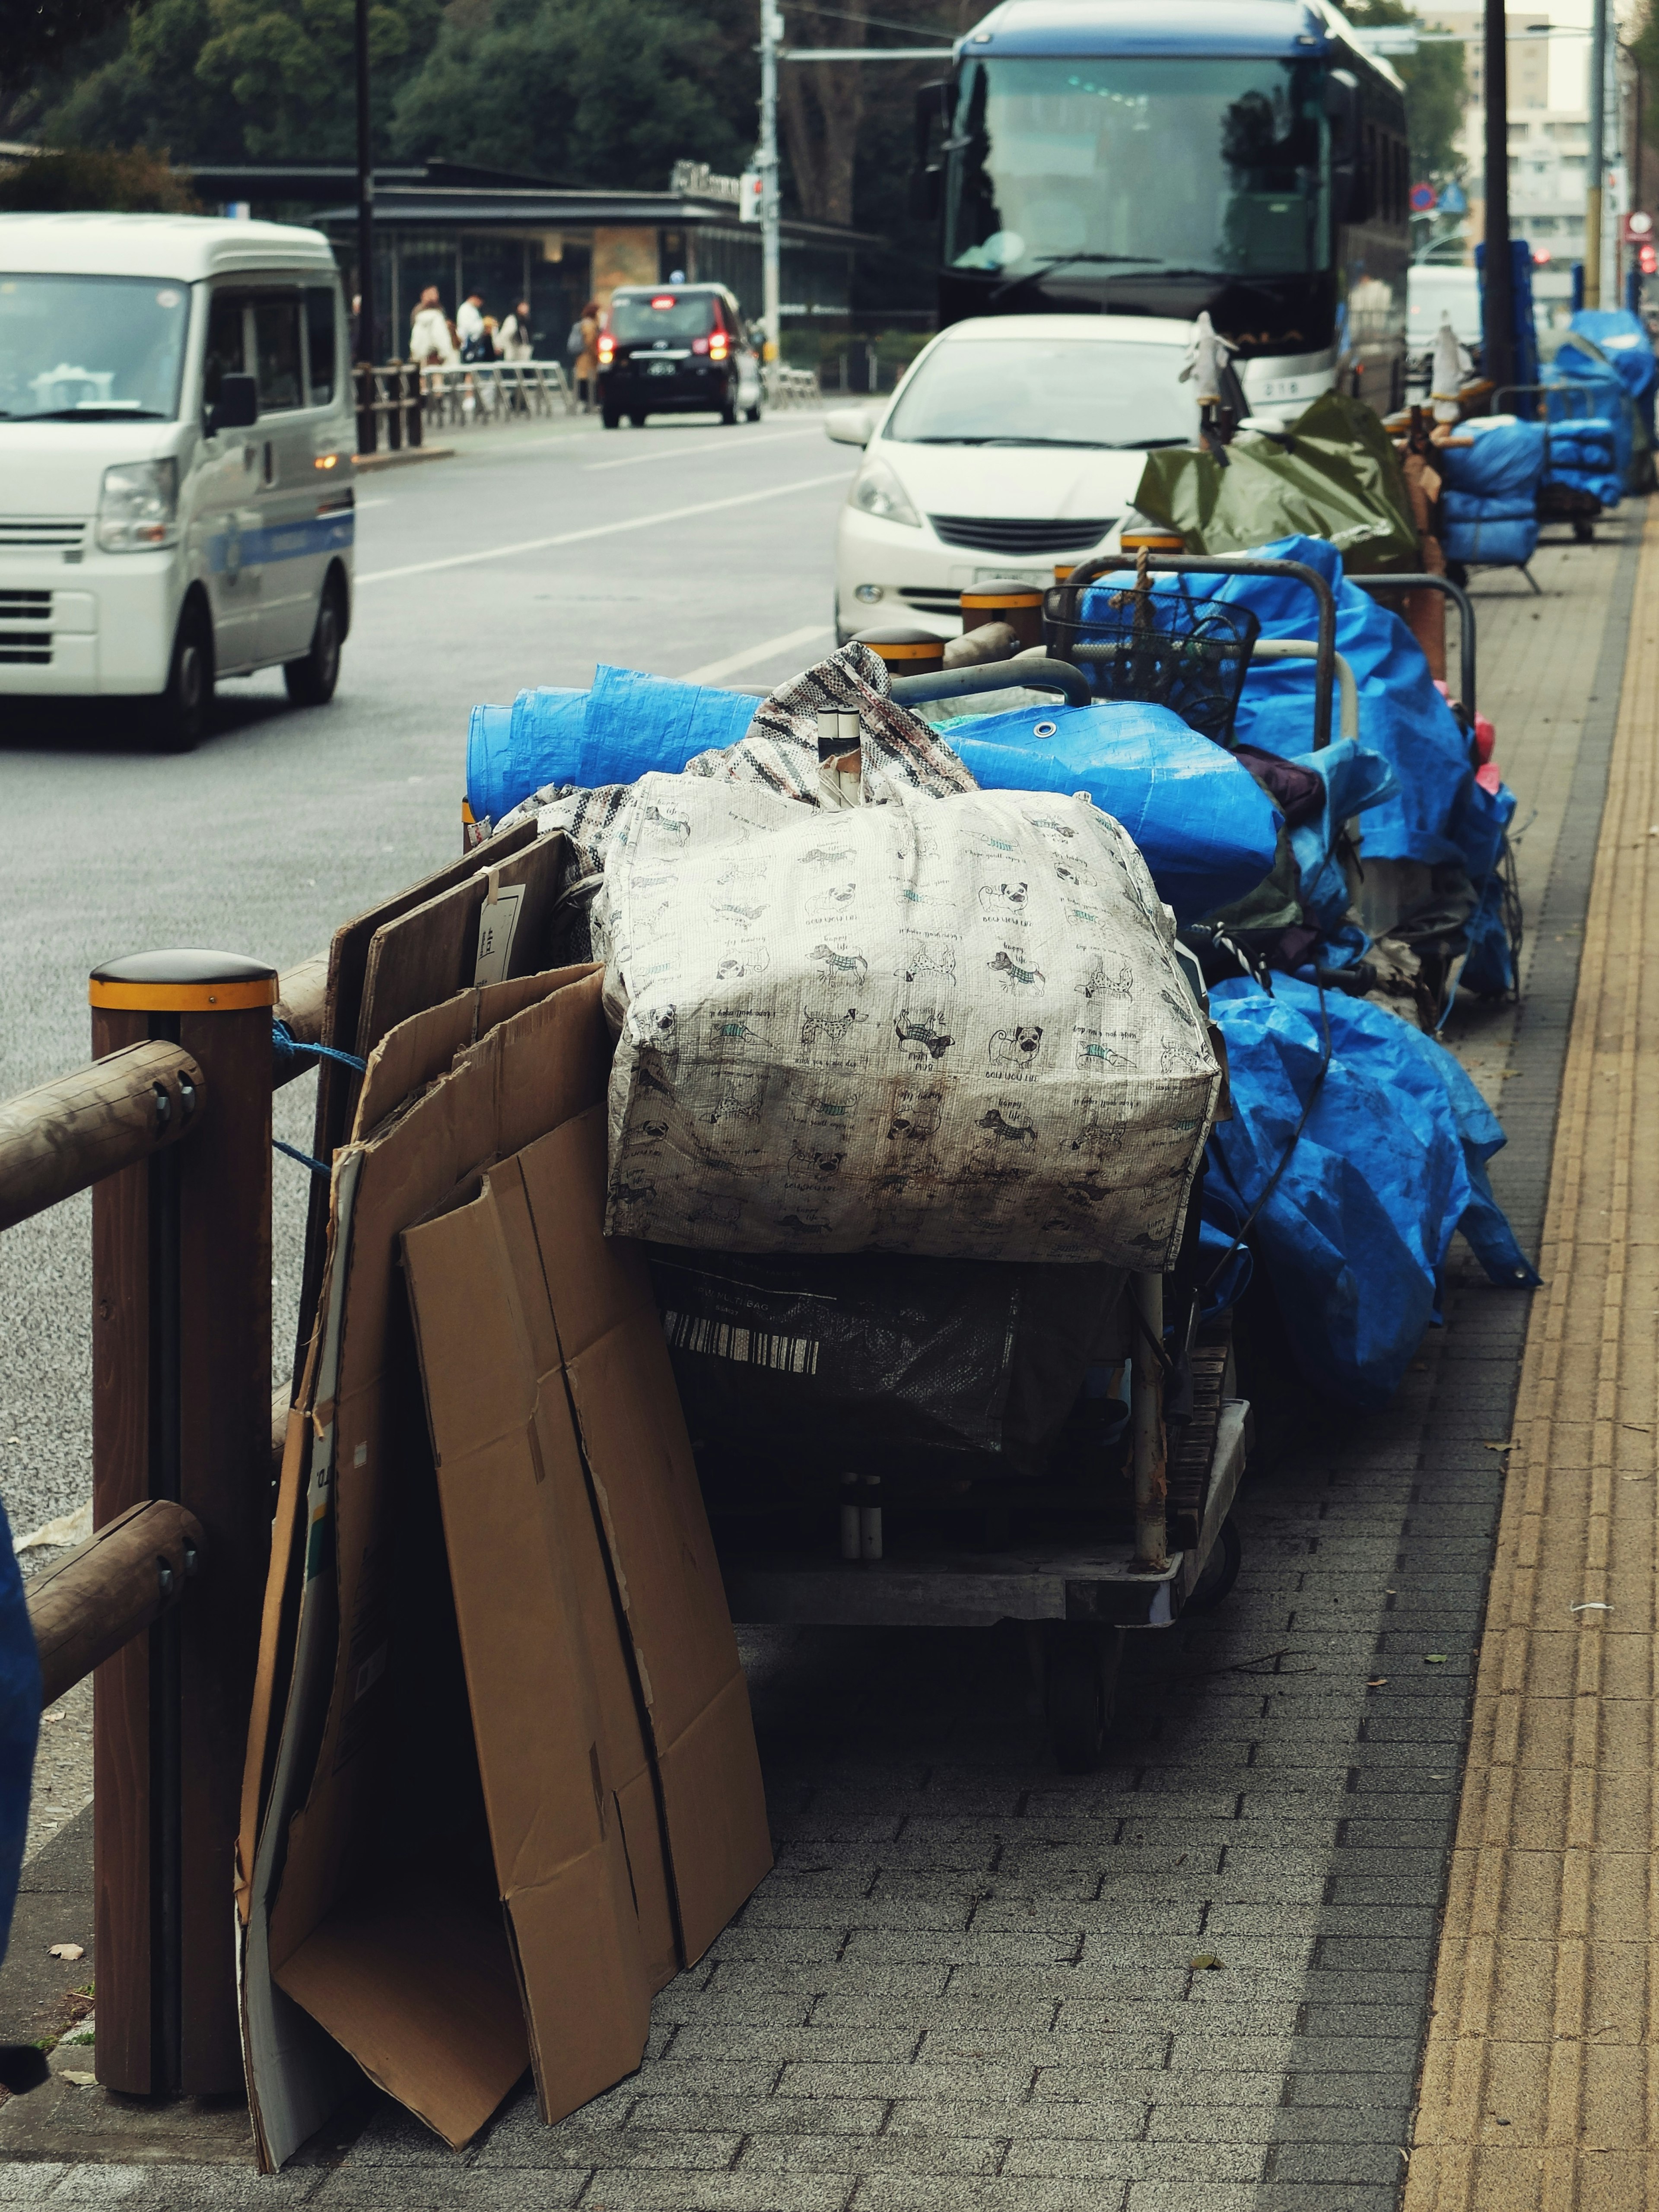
(1051,262)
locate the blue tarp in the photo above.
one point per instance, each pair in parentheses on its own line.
(1391,1162)
(20,1722)
(1629,349)
(1401,715)
(1206,827)
(1497,533)
(1505,463)
(625,727)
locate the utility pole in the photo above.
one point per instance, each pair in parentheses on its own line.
(1598,158)
(767,162)
(1498,321)
(365,195)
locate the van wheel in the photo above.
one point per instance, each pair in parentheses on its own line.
(179,718)
(310,682)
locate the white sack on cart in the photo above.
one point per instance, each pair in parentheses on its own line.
(945,1024)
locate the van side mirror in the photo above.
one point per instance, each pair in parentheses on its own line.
(928,175)
(237,407)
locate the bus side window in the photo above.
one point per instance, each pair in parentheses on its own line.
(320,347)
(226,353)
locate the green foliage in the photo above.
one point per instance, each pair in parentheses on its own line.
(37,34)
(137,183)
(573,88)
(1436,92)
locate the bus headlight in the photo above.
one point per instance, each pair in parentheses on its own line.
(877,491)
(138,507)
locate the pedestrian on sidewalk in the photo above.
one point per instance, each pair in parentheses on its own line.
(431,341)
(587,360)
(514,341)
(469,326)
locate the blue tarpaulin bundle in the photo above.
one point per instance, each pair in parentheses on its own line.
(1624,343)
(20,1723)
(1503,463)
(1206,827)
(1391,1161)
(1497,533)
(627,726)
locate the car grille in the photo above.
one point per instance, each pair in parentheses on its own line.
(40,533)
(994,533)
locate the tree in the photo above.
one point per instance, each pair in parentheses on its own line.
(36,34)
(1436,92)
(821,105)
(137,183)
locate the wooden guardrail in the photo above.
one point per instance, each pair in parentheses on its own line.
(169,1126)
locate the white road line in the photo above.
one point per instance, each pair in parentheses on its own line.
(601,529)
(715,446)
(716,672)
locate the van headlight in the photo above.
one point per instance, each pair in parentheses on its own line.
(877,491)
(138,507)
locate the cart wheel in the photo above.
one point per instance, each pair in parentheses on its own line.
(1220,1571)
(1080,1685)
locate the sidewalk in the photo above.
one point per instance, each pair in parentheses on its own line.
(1198,1981)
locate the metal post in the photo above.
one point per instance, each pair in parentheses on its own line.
(181,1411)
(766,161)
(366,345)
(1498,318)
(1597,163)
(1150,1443)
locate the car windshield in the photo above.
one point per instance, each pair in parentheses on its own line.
(1062,164)
(1046,391)
(1431,293)
(661,315)
(86,348)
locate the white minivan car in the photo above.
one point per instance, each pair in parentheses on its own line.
(176,441)
(1015,443)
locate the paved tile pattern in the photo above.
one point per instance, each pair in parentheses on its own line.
(1197,1979)
(1538,2085)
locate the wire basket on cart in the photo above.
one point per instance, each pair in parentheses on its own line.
(1166,649)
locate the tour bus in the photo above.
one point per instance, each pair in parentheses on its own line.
(176,440)
(1159,157)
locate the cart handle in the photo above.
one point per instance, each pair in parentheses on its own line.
(1466,618)
(1037,674)
(1223,564)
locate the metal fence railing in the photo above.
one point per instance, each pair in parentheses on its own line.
(398,402)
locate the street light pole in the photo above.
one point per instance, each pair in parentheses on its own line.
(767,163)
(365,195)
(1498,321)
(1598,162)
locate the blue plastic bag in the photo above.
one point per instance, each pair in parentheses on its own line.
(1206,828)
(1401,715)
(1506,463)
(20,1724)
(1391,1161)
(626,726)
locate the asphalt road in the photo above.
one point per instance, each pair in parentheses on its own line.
(683,548)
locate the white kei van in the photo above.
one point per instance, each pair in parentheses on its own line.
(176,435)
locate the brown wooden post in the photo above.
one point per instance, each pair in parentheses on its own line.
(181,1409)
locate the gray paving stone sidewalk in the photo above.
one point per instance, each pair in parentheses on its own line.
(1194,1982)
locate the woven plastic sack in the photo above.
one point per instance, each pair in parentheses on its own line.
(953,1026)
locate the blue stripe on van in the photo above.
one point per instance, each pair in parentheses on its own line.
(284,541)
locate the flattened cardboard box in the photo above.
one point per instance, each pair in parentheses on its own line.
(403,1959)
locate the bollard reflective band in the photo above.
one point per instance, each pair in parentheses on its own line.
(226,998)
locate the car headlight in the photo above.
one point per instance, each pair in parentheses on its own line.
(877,491)
(138,507)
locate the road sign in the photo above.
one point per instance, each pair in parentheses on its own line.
(1424,198)
(1638,227)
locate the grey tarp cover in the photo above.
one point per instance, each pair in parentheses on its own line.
(1333,474)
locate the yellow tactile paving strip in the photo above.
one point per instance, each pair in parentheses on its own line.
(1541,2081)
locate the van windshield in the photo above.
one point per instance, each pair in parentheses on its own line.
(90,348)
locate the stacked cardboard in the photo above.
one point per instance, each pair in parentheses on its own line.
(501,1779)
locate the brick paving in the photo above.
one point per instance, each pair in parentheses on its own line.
(1199,1978)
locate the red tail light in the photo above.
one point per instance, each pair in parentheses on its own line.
(717,346)
(664,299)
(607,347)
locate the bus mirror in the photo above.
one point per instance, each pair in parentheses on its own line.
(926,177)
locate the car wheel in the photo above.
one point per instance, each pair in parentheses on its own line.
(729,406)
(179,718)
(637,422)
(311,681)
(610,419)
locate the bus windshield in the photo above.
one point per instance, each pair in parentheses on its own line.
(1139,168)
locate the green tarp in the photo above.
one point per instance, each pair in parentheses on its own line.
(1334,474)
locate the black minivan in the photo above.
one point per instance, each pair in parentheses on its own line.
(677,349)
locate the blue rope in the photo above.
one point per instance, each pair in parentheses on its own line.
(317,1167)
(293,1057)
